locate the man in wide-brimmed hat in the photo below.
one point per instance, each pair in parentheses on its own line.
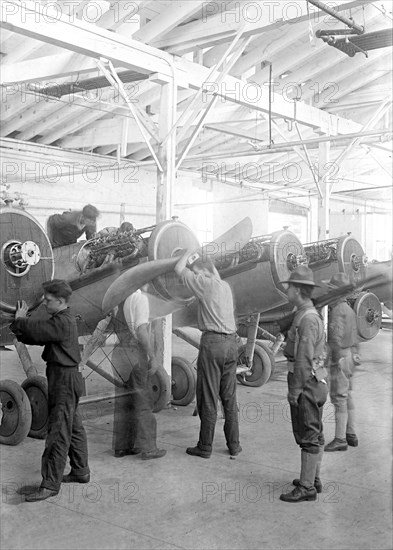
(307,388)
(342,338)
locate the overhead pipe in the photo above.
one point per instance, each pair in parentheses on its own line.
(359,29)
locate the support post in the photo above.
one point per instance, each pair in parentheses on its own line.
(162,328)
(324,185)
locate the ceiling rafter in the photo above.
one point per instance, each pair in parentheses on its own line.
(235,123)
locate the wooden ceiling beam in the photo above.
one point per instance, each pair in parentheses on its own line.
(83,38)
(221,27)
(46,68)
(348,78)
(236,91)
(102,133)
(168,19)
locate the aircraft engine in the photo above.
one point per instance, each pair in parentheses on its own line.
(343,254)
(263,262)
(346,255)
(26,260)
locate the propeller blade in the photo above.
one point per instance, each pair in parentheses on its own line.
(135,278)
(229,242)
(158,307)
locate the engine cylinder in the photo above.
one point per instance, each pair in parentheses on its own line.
(343,254)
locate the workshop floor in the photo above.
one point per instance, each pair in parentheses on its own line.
(221,503)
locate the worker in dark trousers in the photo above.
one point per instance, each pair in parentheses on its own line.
(66,434)
(217,358)
(135,425)
(342,341)
(307,387)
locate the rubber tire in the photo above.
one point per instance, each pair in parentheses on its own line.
(161,386)
(14,400)
(266,347)
(41,383)
(183,367)
(261,368)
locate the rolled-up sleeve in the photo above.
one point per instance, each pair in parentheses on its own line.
(194,282)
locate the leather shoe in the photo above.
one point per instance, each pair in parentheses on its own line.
(336,445)
(317,484)
(299,494)
(236,451)
(196,451)
(72,478)
(124,452)
(158,453)
(42,494)
(352,440)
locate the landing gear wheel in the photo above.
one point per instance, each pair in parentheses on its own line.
(266,347)
(183,381)
(368,310)
(161,388)
(261,367)
(16,409)
(36,388)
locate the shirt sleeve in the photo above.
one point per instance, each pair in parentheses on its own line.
(308,332)
(39,332)
(90,230)
(194,282)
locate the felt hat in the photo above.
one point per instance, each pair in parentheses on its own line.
(302,275)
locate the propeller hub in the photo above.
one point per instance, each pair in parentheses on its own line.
(19,257)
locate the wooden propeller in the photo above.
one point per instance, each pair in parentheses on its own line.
(229,242)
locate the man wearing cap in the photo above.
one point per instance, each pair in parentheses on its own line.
(342,338)
(307,388)
(217,358)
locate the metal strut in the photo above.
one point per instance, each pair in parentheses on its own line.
(112,76)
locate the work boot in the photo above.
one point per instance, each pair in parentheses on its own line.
(317,484)
(157,453)
(196,451)
(235,451)
(299,494)
(73,478)
(336,445)
(352,440)
(124,452)
(305,488)
(42,494)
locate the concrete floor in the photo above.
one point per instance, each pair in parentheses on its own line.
(221,503)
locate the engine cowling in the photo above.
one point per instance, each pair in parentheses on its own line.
(263,262)
(26,259)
